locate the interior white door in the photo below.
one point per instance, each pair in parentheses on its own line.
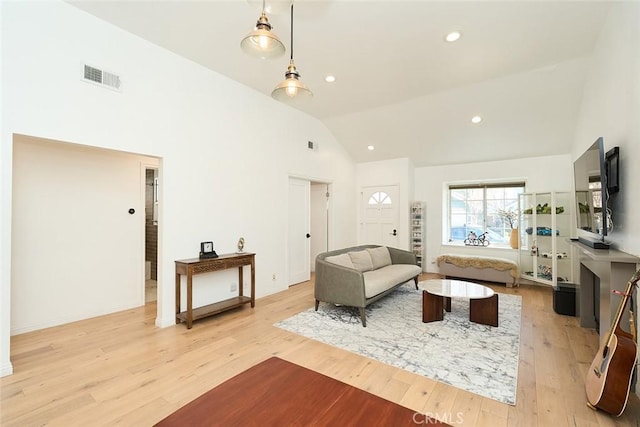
(380,215)
(299,230)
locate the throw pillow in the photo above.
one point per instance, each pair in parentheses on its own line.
(342,259)
(379,257)
(361,260)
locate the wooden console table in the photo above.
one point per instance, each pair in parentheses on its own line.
(193,266)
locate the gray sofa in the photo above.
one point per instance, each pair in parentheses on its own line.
(360,275)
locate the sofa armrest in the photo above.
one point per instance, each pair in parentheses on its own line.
(400,256)
(339,285)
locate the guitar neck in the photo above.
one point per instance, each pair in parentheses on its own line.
(625,297)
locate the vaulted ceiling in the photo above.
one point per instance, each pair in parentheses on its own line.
(399,86)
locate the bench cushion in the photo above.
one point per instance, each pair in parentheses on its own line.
(462,261)
(380,280)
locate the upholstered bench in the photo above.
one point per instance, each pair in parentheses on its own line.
(481,268)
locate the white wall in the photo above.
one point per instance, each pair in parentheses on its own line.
(226,150)
(611,108)
(541,174)
(5,227)
(388,172)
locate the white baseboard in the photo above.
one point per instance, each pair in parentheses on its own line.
(165,323)
(6,370)
(63,320)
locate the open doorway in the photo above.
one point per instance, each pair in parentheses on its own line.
(319,221)
(83,206)
(151,235)
(308,226)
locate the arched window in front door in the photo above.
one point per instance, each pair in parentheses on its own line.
(380,198)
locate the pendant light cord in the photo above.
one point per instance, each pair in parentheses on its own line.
(292,30)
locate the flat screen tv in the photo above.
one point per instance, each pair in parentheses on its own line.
(591,196)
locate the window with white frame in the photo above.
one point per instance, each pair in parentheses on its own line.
(379,198)
(481,208)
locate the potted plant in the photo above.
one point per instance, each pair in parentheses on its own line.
(510,217)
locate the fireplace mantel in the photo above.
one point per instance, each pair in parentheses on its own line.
(601,272)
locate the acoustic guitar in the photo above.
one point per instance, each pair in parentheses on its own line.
(609,378)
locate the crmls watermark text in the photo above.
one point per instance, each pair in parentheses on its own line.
(434,417)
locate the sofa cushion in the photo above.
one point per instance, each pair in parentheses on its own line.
(382,279)
(379,257)
(361,260)
(342,259)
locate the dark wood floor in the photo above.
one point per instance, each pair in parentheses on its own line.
(279,393)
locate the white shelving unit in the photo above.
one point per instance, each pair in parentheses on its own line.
(417,232)
(545,228)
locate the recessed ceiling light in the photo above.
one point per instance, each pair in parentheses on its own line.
(476,119)
(453,36)
(330,78)
(370,147)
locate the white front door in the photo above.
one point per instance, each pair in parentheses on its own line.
(299,230)
(380,215)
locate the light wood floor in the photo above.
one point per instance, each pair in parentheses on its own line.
(121,369)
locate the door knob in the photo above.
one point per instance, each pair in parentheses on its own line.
(395,232)
(308,235)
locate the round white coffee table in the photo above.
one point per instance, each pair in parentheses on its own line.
(437,294)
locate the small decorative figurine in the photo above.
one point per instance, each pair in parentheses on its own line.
(241,245)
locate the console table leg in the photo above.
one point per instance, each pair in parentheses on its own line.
(253,282)
(189,301)
(177,298)
(432,307)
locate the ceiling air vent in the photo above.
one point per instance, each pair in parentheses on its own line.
(103,78)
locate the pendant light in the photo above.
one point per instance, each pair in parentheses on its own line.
(291,90)
(261,42)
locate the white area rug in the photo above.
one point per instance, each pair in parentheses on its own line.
(477,358)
